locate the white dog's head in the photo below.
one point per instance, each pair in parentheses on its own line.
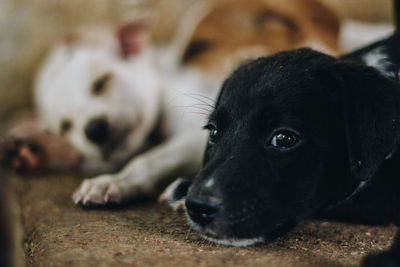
(99,90)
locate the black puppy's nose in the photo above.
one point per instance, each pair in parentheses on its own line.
(98,131)
(201,211)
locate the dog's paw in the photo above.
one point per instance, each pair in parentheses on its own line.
(175,194)
(385,259)
(105,189)
(21,155)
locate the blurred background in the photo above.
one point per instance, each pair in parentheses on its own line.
(27,28)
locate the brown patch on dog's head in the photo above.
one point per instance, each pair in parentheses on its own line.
(236,30)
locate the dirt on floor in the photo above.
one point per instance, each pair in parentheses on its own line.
(58,233)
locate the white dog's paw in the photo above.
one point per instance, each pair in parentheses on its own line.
(105,189)
(175,194)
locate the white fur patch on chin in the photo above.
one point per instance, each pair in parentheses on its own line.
(233,242)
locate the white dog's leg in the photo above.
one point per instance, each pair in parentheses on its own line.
(179,155)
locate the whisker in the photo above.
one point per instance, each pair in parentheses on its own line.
(202,101)
(195,107)
(201,104)
(206,97)
(196,98)
(185,111)
(198,113)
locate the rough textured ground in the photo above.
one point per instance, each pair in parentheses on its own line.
(58,233)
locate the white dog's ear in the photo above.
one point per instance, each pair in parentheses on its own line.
(133,37)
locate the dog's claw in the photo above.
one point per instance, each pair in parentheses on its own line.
(102,190)
(76,200)
(113,194)
(86,200)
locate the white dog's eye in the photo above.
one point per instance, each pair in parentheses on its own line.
(65,126)
(284,139)
(100,84)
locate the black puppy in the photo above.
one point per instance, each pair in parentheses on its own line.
(301,134)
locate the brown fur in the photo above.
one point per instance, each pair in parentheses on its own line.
(238,29)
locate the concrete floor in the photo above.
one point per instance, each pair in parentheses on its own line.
(58,233)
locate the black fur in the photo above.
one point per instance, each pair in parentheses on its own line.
(346,165)
(180,191)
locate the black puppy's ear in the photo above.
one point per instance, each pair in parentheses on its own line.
(370,106)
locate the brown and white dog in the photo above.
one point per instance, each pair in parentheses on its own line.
(105,92)
(234,30)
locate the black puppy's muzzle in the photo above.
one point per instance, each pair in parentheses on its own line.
(201,211)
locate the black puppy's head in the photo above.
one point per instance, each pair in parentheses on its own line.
(290,134)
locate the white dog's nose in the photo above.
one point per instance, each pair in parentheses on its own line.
(98,131)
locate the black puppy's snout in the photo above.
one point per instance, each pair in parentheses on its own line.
(201,211)
(98,131)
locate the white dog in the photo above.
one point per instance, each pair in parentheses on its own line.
(106,95)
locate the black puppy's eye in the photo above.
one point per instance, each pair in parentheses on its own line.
(99,85)
(284,139)
(213,133)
